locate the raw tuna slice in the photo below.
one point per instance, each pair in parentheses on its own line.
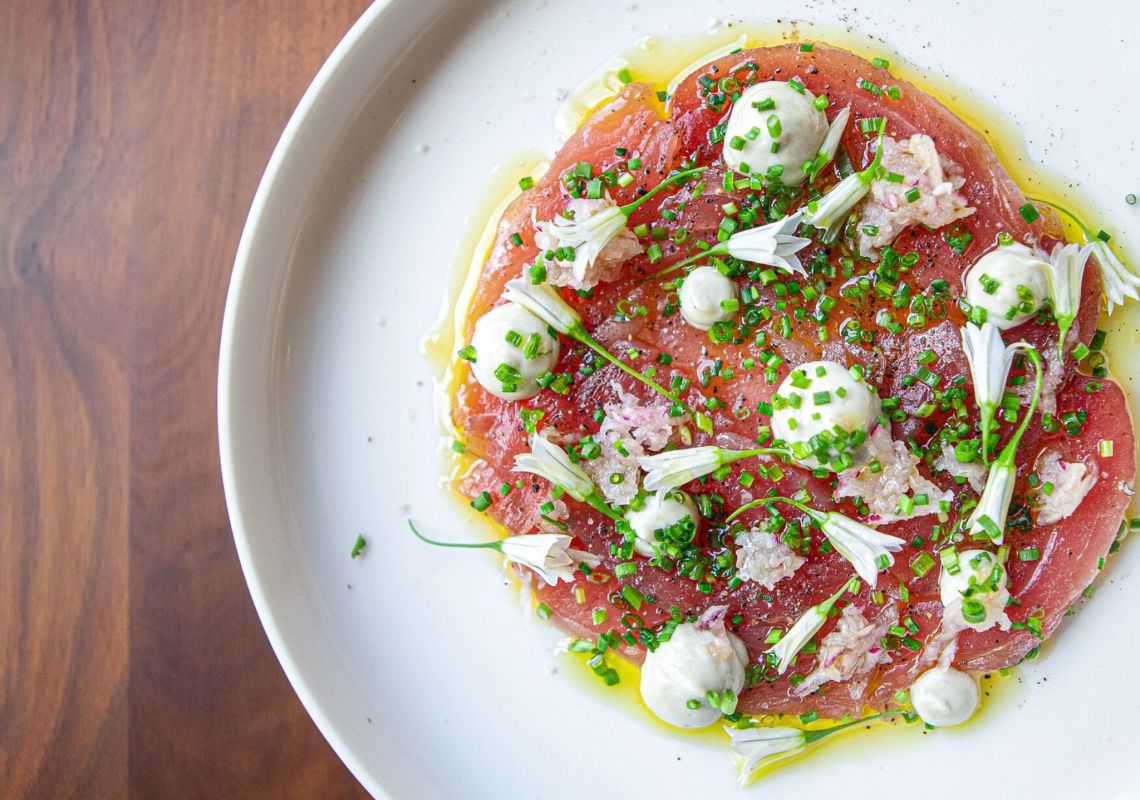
(636,319)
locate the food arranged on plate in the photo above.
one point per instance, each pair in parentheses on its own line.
(782,389)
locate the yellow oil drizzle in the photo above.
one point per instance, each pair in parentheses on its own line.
(660,63)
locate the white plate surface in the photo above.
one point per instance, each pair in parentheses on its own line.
(418,664)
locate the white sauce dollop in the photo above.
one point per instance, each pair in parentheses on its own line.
(701,295)
(686,668)
(978,567)
(945,697)
(1002,271)
(799,127)
(492,349)
(661,510)
(821,397)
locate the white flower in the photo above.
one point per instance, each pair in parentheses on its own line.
(1066,270)
(545,303)
(990,360)
(754,748)
(803,630)
(675,468)
(993,506)
(990,514)
(830,212)
(548,554)
(1118,280)
(831,142)
(860,544)
(548,460)
(587,234)
(774,244)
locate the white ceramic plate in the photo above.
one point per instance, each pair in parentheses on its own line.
(417,664)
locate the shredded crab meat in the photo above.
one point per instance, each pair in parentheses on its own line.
(764,559)
(973,472)
(851,651)
(640,429)
(605,268)
(888,211)
(1070,481)
(560,513)
(898,476)
(1050,382)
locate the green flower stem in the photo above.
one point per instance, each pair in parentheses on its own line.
(1077,220)
(1006,457)
(579,334)
(720,249)
(987,410)
(629,208)
(815,514)
(596,501)
(815,736)
(496,545)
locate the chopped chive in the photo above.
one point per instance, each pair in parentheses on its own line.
(1028,213)
(359,545)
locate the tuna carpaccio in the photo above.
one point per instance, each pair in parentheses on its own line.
(637,319)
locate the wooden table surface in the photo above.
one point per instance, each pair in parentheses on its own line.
(132,137)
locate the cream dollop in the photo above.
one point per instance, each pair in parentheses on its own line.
(774,113)
(1009,283)
(660,510)
(503,344)
(945,696)
(822,398)
(700,657)
(702,296)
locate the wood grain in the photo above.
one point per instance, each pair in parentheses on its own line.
(132,137)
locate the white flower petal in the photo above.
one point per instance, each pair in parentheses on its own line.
(545,553)
(774,244)
(675,468)
(1066,270)
(544,302)
(798,635)
(994,502)
(548,460)
(860,544)
(1119,281)
(832,209)
(834,136)
(756,747)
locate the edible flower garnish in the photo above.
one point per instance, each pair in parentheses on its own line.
(589,236)
(805,628)
(544,302)
(830,144)
(1119,282)
(1066,270)
(993,506)
(674,468)
(548,460)
(760,746)
(990,360)
(867,549)
(773,245)
(829,212)
(548,554)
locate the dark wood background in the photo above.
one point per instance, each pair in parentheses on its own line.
(132,137)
